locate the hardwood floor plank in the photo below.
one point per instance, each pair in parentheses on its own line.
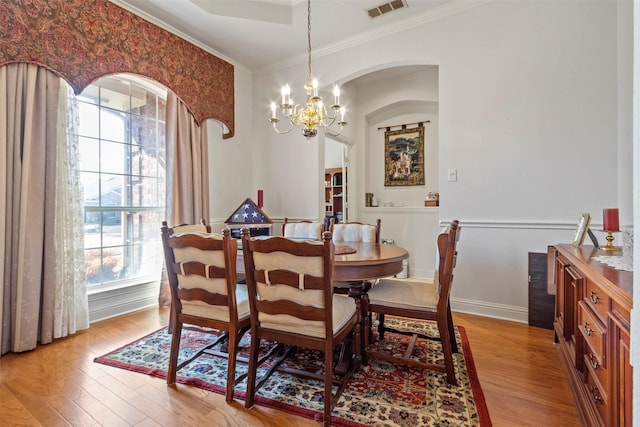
(520,373)
(71,412)
(103,414)
(60,384)
(12,411)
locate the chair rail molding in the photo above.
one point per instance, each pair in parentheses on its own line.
(508,224)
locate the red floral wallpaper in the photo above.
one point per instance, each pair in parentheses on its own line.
(83,40)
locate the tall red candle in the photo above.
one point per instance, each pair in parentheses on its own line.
(259,198)
(610,220)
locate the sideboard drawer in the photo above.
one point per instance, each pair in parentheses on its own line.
(597,371)
(597,300)
(597,398)
(592,331)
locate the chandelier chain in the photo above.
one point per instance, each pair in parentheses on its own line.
(309,38)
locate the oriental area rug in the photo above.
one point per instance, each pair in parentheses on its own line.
(379,394)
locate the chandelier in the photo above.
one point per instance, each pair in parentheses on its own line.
(314,114)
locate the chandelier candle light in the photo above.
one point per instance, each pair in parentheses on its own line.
(315,113)
(610,224)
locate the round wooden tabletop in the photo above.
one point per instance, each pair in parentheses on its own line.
(369,261)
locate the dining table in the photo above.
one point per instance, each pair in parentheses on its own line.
(359,264)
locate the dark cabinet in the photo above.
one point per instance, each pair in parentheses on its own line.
(541,304)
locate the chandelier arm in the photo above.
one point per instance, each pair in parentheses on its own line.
(275,127)
(338,133)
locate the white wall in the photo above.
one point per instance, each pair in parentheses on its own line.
(527,115)
(231,161)
(333,153)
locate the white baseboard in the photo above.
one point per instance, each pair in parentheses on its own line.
(486,309)
(481,308)
(116,302)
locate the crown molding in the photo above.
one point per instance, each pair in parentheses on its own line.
(173,30)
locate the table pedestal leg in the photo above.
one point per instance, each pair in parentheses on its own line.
(356,289)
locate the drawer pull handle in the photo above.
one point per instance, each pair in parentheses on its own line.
(596,398)
(594,298)
(594,361)
(587,331)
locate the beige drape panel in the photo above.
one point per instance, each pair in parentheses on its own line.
(187,173)
(32,298)
(187,165)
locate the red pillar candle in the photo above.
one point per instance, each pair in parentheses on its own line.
(610,219)
(259,198)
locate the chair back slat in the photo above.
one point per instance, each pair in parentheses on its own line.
(301,311)
(199,294)
(200,269)
(289,278)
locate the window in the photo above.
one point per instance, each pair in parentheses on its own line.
(122,167)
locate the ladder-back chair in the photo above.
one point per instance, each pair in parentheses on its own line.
(292,303)
(424,301)
(204,295)
(302,230)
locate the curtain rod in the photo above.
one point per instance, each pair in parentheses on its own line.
(404,126)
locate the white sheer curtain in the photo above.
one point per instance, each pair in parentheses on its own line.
(41,227)
(66,258)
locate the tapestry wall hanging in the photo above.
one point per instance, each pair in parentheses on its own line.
(404,157)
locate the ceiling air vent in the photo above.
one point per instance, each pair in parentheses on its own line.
(386,8)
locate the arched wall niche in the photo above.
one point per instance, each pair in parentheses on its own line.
(403,67)
(83,40)
(401,108)
(393,94)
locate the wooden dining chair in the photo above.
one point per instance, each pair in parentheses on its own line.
(292,302)
(355,232)
(419,301)
(201,268)
(302,230)
(343,233)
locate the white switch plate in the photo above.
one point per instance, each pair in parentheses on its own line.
(453,175)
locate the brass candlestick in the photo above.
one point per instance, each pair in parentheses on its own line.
(609,246)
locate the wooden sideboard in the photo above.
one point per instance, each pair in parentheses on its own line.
(592,322)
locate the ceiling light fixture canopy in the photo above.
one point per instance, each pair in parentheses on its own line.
(314,114)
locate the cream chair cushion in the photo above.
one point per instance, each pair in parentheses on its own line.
(343,310)
(304,230)
(354,233)
(215,285)
(405,294)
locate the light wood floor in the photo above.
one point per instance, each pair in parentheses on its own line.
(60,385)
